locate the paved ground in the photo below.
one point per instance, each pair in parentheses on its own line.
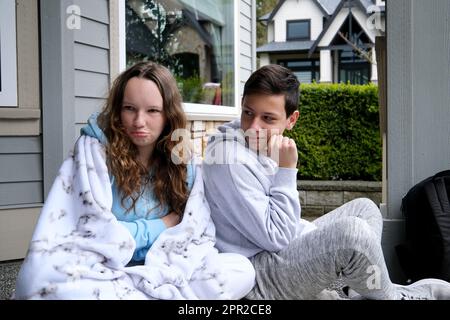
(9,271)
(8,274)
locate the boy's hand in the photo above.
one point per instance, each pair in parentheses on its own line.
(283,150)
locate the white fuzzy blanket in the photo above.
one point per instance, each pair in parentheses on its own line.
(80,251)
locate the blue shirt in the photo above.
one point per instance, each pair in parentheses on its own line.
(144,220)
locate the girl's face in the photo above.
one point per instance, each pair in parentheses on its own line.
(142,114)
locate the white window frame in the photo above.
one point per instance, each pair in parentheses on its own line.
(8,53)
(197,111)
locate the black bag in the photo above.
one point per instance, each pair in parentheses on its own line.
(426,209)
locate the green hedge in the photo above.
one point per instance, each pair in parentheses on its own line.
(337,133)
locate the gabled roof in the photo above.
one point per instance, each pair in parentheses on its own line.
(326,6)
(264,17)
(329,5)
(326,27)
(365,6)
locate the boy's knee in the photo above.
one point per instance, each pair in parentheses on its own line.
(352,232)
(364,202)
(366,209)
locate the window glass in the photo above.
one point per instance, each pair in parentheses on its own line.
(298,30)
(304,76)
(353,68)
(194,39)
(293,64)
(306,71)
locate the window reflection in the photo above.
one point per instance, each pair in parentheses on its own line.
(193,38)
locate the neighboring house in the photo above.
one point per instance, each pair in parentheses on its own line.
(305,36)
(58,59)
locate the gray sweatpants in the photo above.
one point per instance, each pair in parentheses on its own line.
(347,243)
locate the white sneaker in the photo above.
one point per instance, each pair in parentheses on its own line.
(353,295)
(425,289)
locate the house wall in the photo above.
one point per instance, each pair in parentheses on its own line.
(270,32)
(21,172)
(418,94)
(246,60)
(91,47)
(75,73)
(297,10)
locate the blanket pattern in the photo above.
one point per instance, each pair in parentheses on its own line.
(80,251)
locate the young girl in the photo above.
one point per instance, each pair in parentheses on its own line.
(131,178)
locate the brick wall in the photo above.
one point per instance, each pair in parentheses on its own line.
(200,131)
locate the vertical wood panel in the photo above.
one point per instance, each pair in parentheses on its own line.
(431,88)
(418,94)
(399,126)
(57,59)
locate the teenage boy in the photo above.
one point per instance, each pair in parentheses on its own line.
(250,176)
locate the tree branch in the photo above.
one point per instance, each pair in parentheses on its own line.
(361,52)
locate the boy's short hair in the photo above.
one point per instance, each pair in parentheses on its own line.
(274,79)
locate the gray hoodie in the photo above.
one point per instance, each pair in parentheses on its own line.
(254,203)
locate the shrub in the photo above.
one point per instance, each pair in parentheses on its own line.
(337,133)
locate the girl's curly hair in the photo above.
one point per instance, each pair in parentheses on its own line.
(169,179)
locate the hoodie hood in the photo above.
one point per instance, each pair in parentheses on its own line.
(92,129)
(230,131)
(235,124)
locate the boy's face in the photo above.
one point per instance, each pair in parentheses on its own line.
(263,116)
